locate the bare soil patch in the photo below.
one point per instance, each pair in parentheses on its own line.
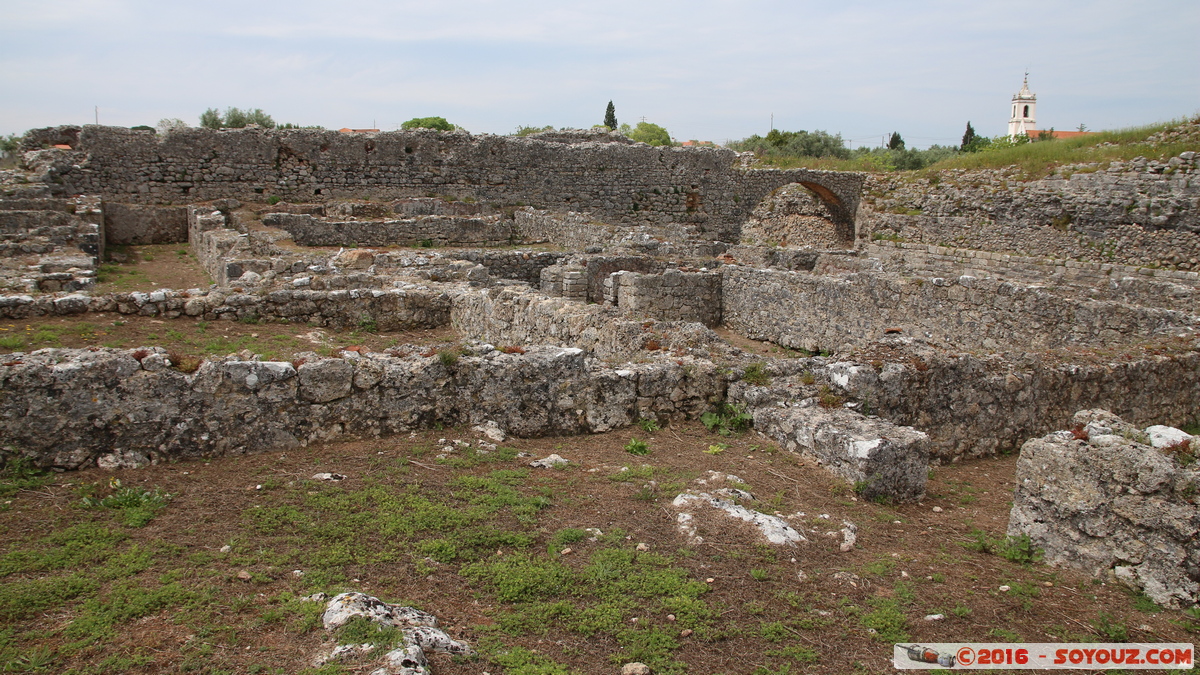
(478,539)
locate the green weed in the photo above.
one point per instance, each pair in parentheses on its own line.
(636,447)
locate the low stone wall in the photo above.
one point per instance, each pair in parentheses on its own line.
(670,296)
(308,230)
(69,408)
(140,224)
(978,406)
(519,265)
(1103,500)
(392,309)
(1148,287)
(818,312)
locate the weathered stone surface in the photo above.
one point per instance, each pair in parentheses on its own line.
(346,606)
(882,460)
(326,380)
(1111,504)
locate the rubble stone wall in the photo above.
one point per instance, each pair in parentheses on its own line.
(978,406)
(670,296)
(307,230)
(623,184)
(140,224)
(68,408)
(1133,213)
(823,312)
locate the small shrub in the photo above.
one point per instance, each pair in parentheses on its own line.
(448,358)
(273,200)
(184,363)
(513,349)
(760,575)
(648,425)
(727,419)
(1079,433)
(1020,549)
(636,447)
(828,399)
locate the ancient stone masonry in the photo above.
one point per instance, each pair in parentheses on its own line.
(818,312)
(1141,212)
(1113,499)
(70,407)
(585,294)
(621,183)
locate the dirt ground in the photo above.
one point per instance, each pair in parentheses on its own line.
(767,609)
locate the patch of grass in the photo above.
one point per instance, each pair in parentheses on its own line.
(756,374)
(887,620)
(137,505)
(360,630)
(760,575)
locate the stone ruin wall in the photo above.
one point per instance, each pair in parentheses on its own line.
(1143,213)
(620,183)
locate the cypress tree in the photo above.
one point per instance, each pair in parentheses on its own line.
(610,117)
(968,137)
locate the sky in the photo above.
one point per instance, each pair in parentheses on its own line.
(706,70)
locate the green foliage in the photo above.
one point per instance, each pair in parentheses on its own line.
(895,142)
(794,144)
(235,118)
(438,123)
(274,199)
(20,473)
(610,117)
(648,425)
(525,131)
(636,447)
(361,630)
(137,505)
(448,358)
(968,138)
(1020,549)
(727,419)
(519,577)
(521,661)
(649,133)
(10,144)
(756,373)
(887,620)
(1109,628)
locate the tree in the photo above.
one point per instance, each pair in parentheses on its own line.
(210,119)
(1046,135)
(438,123)
(968,137)
(895,142)
(794,144)
(235,118)
(610,117)
(652,134)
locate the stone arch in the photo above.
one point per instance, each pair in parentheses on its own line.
(798,214)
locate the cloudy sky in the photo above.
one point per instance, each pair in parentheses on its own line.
(711,70)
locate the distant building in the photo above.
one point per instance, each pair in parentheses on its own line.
(1024,111)
(1024,117)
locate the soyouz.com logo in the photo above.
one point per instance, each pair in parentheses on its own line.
(1042,656)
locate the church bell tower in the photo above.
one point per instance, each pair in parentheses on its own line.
(1024,111)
